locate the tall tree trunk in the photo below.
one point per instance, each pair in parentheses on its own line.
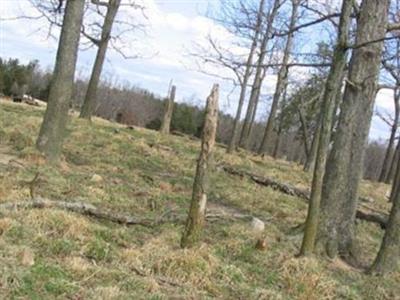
(277,145)
(168,109)
(91,93)
(384,175)
(196,217)
(235,131)
(304,130)
(395,166)
(388,257)
(345,162)
(282,80)
(52,130)
(310,162)
(326,118)
(395,161)
(258,78)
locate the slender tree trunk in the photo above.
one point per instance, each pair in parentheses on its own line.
(255,91)
(282,81)
(168,109)
(345,162)
(235,131)
(304,130)
(52,130)
(388,257)
(91,93)
(310,162)
(384,175)
(275,153)
(326,118)
(395,166)
(395,161)
(196,217)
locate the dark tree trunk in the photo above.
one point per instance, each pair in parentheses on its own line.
(332,87)
(345,162)
(389,155)
(91,93)
(196,217)
(396,166)
(395,161)
(282,81)
(52,130)
(235,131)
(389,254)
(168,109)
(255,91)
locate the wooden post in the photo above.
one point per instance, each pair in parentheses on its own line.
(169,106)
(196,216)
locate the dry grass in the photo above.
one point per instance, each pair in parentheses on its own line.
(144,173)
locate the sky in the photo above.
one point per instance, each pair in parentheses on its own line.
(172,28)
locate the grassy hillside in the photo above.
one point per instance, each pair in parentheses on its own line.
(55,254)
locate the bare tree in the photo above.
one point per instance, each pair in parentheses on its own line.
(282,79)
(196,216)
(345,162)
(258,78)
(102,44)
(52,130)
(328,104)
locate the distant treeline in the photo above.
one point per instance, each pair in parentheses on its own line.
(131,105)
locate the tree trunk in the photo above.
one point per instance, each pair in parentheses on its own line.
(389,255)
(235,131)
(310,162)
(91,93)
(52,130)
(304,130)
(326,119)
(395,161)
(396,166)
(384,175)
(258,78)
(345,162)
(169,106)
(282,81)
(196,216)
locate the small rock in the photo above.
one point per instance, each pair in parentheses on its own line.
(96,178)
(387,195)
(27,258)
(257,225)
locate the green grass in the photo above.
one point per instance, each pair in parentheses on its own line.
(146,174)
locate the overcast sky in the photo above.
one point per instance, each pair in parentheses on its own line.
(172,28)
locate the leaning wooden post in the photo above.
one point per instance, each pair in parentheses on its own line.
(169,106)
(196,216)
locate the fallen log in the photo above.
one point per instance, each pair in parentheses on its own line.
(92,211)
(375,217)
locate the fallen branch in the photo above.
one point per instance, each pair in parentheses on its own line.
(379,218)
(92,211)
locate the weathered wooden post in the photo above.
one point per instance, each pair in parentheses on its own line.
(196,216)
(169,106)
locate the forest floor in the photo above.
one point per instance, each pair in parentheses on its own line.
(56,254)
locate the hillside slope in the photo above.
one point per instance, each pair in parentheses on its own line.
(52,253)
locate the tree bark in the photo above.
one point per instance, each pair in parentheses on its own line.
(396,166)
(196,216)
(326,119)
(52,130)
(389,155)
(91,93)
(235,131)
(345,162)
(169,107)
(282,80)
(258,78)
(388,257)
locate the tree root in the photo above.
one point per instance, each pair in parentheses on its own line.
(370,216)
